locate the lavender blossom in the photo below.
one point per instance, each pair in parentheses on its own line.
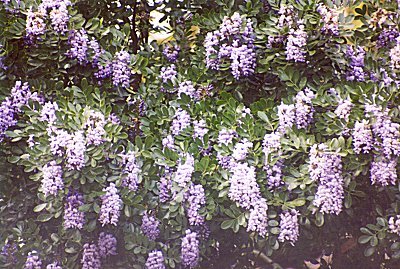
(53,265)
(326,167)
(343,109)
(168,73)
(150,227)
(184,171)
(226,136)
(274,174)
(200,129)
(394,225)
(241,149)
(107,245)
(243,60)
(121,72)
(395,55)
(196,199)
(111,205)
(58,139)
(187,88)
(286,16)
(304,108)
(287,117)
(73,218)
(48,113)
(271,143)
(52,180)
(165,186)
(383,171)
(59,18)
(329,18)
(289,226)
(78,41)
(356,65)
(243,185)
(180,122)
(171,53)
(362,137)
(296,44)
(190,249)
(94,127)
(168,142)
(386,37)
(155,260)
(35,23)
(33,261)
(90,257)
(258,219)
(132,171)
(75,151)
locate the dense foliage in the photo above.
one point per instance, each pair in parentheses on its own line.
(258,133)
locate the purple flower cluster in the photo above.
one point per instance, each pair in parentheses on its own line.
(234,41)
(286,16)
(383,170)
(107,245)
(78,40)
(184,171)
(180,122)
(90,257)
(356,65)
(394,225)
(190,249)
(226,162)
(343,109)
(75,151)
(58,139)
(241,149)
(258,219)
(73,218)
(165,188)
(226,136)
(329,18)
(304,108)
(33,261)
(9,107)
(155,260)
(243,185)
(271,143)
(131,170)
(289,226)
(9,251)
(326,168)
(59,17)
(287,117)
(94,127)
(150,226)
(168,73)
(48,113)
(187,88)
(121,72)
(395,55)
(54,265)
(296,43)
(200,129)
(274,174)
(386,37)
(362,137)
(168,142)
(35,23)
(52,180)
(111,205)
(196,199)
(171,53)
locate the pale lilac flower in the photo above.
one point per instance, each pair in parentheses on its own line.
(132,171)
(271,143)
(200,129)
(150,226)
(362,137)
(356,65)
(73,218)
(286,16)
(59,18)
(329,18)
(94,127)
(226,136)
(168,73)
(171,52)
(58,139)
(78,41)
(289,226)
(287,117)
(121,70)
(304,108)
(33,261)
(53,265)
(343,109)
(383,171)
(187,88)
(190,250)
(241,149)
(274,174)
(111,205)
(48,112)
(196,199)
(155,260)
(52,180)
(35,23)
(168,142)
(107,245)
(258,219)
(180,122)
(90,257)
(184,171)
(75,151)
(394,225)
(296,44)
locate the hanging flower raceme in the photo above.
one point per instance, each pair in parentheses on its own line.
(187,88)
(168,73)
(329,18)
(289,226)
(155,260)
(52,180)
(241,149)
(199,129)
(33,261)
(356,65)
(107,245)
(258,219)
(150,226)
(326,168)
(195,200)
(53,265)
(180,122)
(94,127)
(75,151)
(234,42)
(35,23)
(90,257)
(111,205)
(304,108)
(184,171)
(343,109)
(73,218)
(48,113)
(171,52)
(296,43)
(362,137)
(287,117)
(383,170)
(190,249)
(121,71)
(132,171)
(78,40)
(394,225)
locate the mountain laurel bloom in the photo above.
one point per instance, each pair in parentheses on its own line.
(52,180)
(289,226)
(73,218)
(287,117)
(258,219)
(304,108)
(48,112)
(94,127)
(168,73)
(33,261)
(107,245)
(190,249)
(343,109)
(59,18)
(121,71)
(326,168)
(78,40)
(296,43)
(226,136)
(383,170)
(184,171)
(111,205)
(329,18)
(394,225)
(132,171)
(35,23)
(362,137)
(150,226)
(75,151)
(180,122)
(196,199)
(171,52)
(155,260)
(356,65)
(90,257)
(53,265)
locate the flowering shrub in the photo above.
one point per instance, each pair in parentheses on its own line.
(261,132)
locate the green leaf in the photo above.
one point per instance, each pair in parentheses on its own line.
(226,224)
(44,217)
(369,251)
(364,239)
(40,207)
